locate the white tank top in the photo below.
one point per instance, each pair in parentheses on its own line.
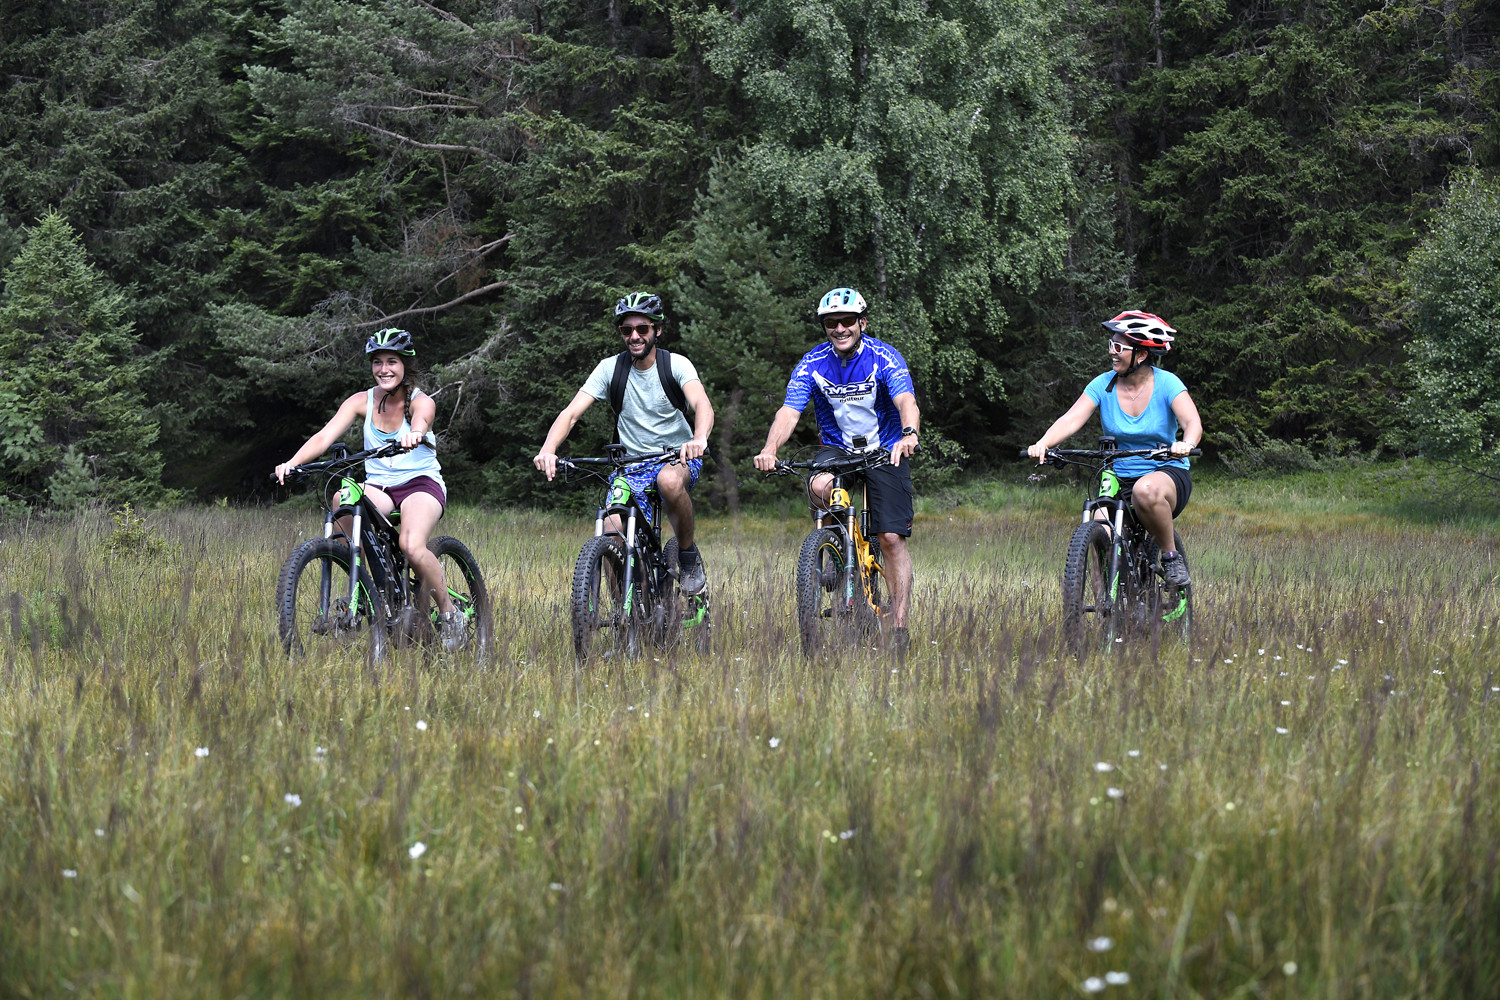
(406,466)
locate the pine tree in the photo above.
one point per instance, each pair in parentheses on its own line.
(74,415)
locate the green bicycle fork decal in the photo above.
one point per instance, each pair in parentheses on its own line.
(350,493)
(619,491)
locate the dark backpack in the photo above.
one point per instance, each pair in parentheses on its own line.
(669,385)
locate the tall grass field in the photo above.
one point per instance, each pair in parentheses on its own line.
(1303,801)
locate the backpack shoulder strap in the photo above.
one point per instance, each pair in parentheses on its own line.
(617,388)
(669,385)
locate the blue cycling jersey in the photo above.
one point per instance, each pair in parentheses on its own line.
(855,397)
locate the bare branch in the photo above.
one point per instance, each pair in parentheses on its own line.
(446,15)
(435,146)
(424,310)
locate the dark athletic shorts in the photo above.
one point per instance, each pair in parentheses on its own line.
(420,484)
(888,493)
(1180,476)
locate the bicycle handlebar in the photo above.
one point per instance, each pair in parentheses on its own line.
(872,459)
(667,455)
(1064,454)
(343,461)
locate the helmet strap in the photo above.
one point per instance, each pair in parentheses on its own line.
(1134,367)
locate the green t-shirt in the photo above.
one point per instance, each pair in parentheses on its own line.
(648,420)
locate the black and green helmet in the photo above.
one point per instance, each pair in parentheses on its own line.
(645,303)
(391,339)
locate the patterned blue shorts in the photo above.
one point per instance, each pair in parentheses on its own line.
(642,480)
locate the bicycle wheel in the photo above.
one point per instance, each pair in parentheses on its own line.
(1171,610)
(1088,604)
(689,615)
(823,607)
(466,588)
(598,606)
(313,607)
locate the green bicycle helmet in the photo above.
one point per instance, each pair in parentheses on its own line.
(645,303)
(391,339)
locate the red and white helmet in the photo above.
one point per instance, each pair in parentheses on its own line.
(1142,329)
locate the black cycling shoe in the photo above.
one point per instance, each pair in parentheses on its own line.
(900,642)
(1174,567)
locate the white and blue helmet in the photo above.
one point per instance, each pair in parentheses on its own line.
(843,300)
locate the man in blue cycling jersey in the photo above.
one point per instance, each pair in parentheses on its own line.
(861,392)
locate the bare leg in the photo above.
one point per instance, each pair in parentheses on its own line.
(1153,497)
(672,484)
(419,514)
(897,574)
(820,487)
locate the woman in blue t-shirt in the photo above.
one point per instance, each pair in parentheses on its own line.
(1141,406)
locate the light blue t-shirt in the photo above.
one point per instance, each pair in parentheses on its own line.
(648,420)
(1155,427)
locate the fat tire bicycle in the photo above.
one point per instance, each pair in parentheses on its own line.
(334,596)
(1113,583)
(840,569)
(625,596)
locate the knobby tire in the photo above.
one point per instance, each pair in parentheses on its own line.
(1088,612)
(306,621)
(598,598)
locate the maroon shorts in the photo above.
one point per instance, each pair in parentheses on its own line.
(421,484)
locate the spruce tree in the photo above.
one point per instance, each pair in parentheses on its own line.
(70,400)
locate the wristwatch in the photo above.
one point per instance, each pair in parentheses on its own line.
(908,430)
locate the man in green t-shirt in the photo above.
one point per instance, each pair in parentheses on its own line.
(648,421)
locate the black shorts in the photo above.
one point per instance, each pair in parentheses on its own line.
(1180,477)
(888,494)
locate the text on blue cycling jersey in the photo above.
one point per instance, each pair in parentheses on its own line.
(853,398)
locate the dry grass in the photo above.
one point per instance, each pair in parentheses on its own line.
(1303,803)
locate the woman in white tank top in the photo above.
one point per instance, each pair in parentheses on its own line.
(396,410)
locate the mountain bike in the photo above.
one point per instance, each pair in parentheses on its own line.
(625,595)
(840,570)
(1113,582)
(331,595)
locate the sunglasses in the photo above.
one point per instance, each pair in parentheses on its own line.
(1116,347)
(834,323)
(641,328)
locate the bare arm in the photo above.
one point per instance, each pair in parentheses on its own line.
(546,459)
(350,410)
(911,416)
(703,420)
(1064,427)
(423,413)
(1186,412)
(782,426)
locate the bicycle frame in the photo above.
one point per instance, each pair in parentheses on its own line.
(379,545)
(1126,550)
(841,515)
(640,539)
(858,554)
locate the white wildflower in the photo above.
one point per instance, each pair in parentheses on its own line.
(417,850)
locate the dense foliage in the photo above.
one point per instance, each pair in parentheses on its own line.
(263,181)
